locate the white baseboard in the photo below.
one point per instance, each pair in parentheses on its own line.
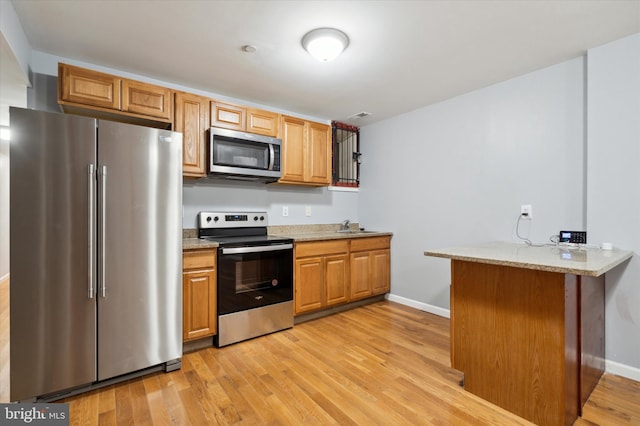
(623,370)
(611,367)
(436,310)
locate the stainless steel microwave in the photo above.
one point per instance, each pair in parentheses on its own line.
(244,156)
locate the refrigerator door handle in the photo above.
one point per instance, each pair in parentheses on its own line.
(103,232)
(91,222)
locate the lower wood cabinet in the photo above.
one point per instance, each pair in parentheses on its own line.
(321,274)
(370,265)
(199,314)
(333,272)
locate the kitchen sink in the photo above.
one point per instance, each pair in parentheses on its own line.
(357,231)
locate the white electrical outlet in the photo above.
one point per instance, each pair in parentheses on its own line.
(285,210)
(526,210)
(307,210)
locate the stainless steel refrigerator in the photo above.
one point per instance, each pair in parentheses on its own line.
(96,251)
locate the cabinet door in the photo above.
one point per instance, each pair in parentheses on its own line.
(293,155)
(146,99)
(380,271)
(87,87)
(199,313)
(318,154)
(309,279)
(336,276)
(192,119)
(360,275)
(262,122)
(228,116)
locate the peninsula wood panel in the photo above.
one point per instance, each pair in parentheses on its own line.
(514,336)
(592,311)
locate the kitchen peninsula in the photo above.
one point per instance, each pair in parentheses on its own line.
(527,324)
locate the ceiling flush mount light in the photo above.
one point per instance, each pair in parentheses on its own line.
(325,44)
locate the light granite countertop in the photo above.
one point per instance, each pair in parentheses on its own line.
(553,258)
(299,233)
(302,233)
(197,243)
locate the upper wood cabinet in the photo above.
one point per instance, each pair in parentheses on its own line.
(236,117)
(262,122)
(108,96)
(146,99)
(192,119)
(228,116)
(88,87)
(306,152)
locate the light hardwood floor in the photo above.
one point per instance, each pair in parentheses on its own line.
(383,363)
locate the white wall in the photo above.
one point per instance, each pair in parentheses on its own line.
(326,206)
(613,195)
(456,173)
(15,36)
(15,53)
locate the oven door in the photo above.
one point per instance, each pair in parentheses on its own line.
(252,277)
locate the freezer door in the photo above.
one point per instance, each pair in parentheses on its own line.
(139,249)
(53,307)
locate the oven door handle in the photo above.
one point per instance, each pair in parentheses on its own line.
(257,249)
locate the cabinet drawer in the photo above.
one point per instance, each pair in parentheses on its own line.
(373,243)
(321,248)
(198,259)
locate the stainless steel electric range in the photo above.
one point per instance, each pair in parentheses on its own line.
(255,275)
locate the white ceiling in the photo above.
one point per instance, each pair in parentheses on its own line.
(402,54)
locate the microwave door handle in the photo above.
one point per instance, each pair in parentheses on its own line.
(259,249)
(272,156)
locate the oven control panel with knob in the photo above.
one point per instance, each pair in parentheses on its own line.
(231,219)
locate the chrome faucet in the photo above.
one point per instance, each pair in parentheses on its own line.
(345,226)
